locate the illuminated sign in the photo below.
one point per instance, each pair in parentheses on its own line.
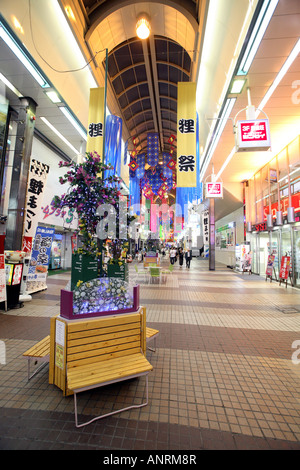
(284,204)
(214,189)
(252,135)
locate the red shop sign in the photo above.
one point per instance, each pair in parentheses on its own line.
(253,135)
(284,204)
(285,267)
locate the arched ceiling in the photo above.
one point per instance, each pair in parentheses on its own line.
(143,74)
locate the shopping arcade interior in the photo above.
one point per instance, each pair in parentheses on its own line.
(195,22)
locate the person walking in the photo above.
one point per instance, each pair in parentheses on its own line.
(181,254)
(172,255)
(188,257)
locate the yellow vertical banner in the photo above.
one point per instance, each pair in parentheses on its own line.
(96,121)
(186,135)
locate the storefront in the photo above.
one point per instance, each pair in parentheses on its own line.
(273,204)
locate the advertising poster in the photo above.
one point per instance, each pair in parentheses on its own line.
(2,279)
(38,174)
(270,264)
(205,228)
(285,267)
(2,270)
(241,252)
(40,255)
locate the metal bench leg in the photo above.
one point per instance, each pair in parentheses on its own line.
(112,412)
(37,370)
(153,349)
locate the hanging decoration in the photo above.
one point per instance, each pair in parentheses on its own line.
(152,149)
(96,121)
(184,195)
(113,140)
(135,192)
(140,160)
(186,135)
(167,171)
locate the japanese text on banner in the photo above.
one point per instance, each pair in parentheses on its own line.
(186,135)
(96,121)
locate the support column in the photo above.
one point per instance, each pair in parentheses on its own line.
(21,163)
(211,234)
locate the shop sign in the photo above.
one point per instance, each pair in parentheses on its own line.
(40,255)
(284,204)
(35,192)
(214,189)
(259,227)
(285,267)
(252,135)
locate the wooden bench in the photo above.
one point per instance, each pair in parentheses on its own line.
(151,334)
(40,352)
(104,351)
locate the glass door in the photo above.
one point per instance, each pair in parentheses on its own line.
(254,248)
(275,249)
(296,257)
(264,251)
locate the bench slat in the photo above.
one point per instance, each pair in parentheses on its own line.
(103,337)
(101,345)
(151,332)
(73,336)
(108,353)
(114,369)
(40,349)
(104,322)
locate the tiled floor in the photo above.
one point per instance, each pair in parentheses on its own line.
(223,375)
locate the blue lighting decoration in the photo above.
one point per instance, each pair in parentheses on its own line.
(152,148)
(113,141)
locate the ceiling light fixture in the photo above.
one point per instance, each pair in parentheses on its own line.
(237,86)
(73,121)
(53,96)
(17,25)
(10,86)
(294,53)
(216,137)
(59,135)
(143,26)
(22,56)
(257,34)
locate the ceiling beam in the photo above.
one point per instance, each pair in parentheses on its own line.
(150,78)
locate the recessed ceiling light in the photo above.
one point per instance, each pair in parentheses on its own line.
(59,135)
(53,96)
(237,86)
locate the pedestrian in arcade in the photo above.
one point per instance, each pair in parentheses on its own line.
(188,257)
(172,255)
(181,254)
